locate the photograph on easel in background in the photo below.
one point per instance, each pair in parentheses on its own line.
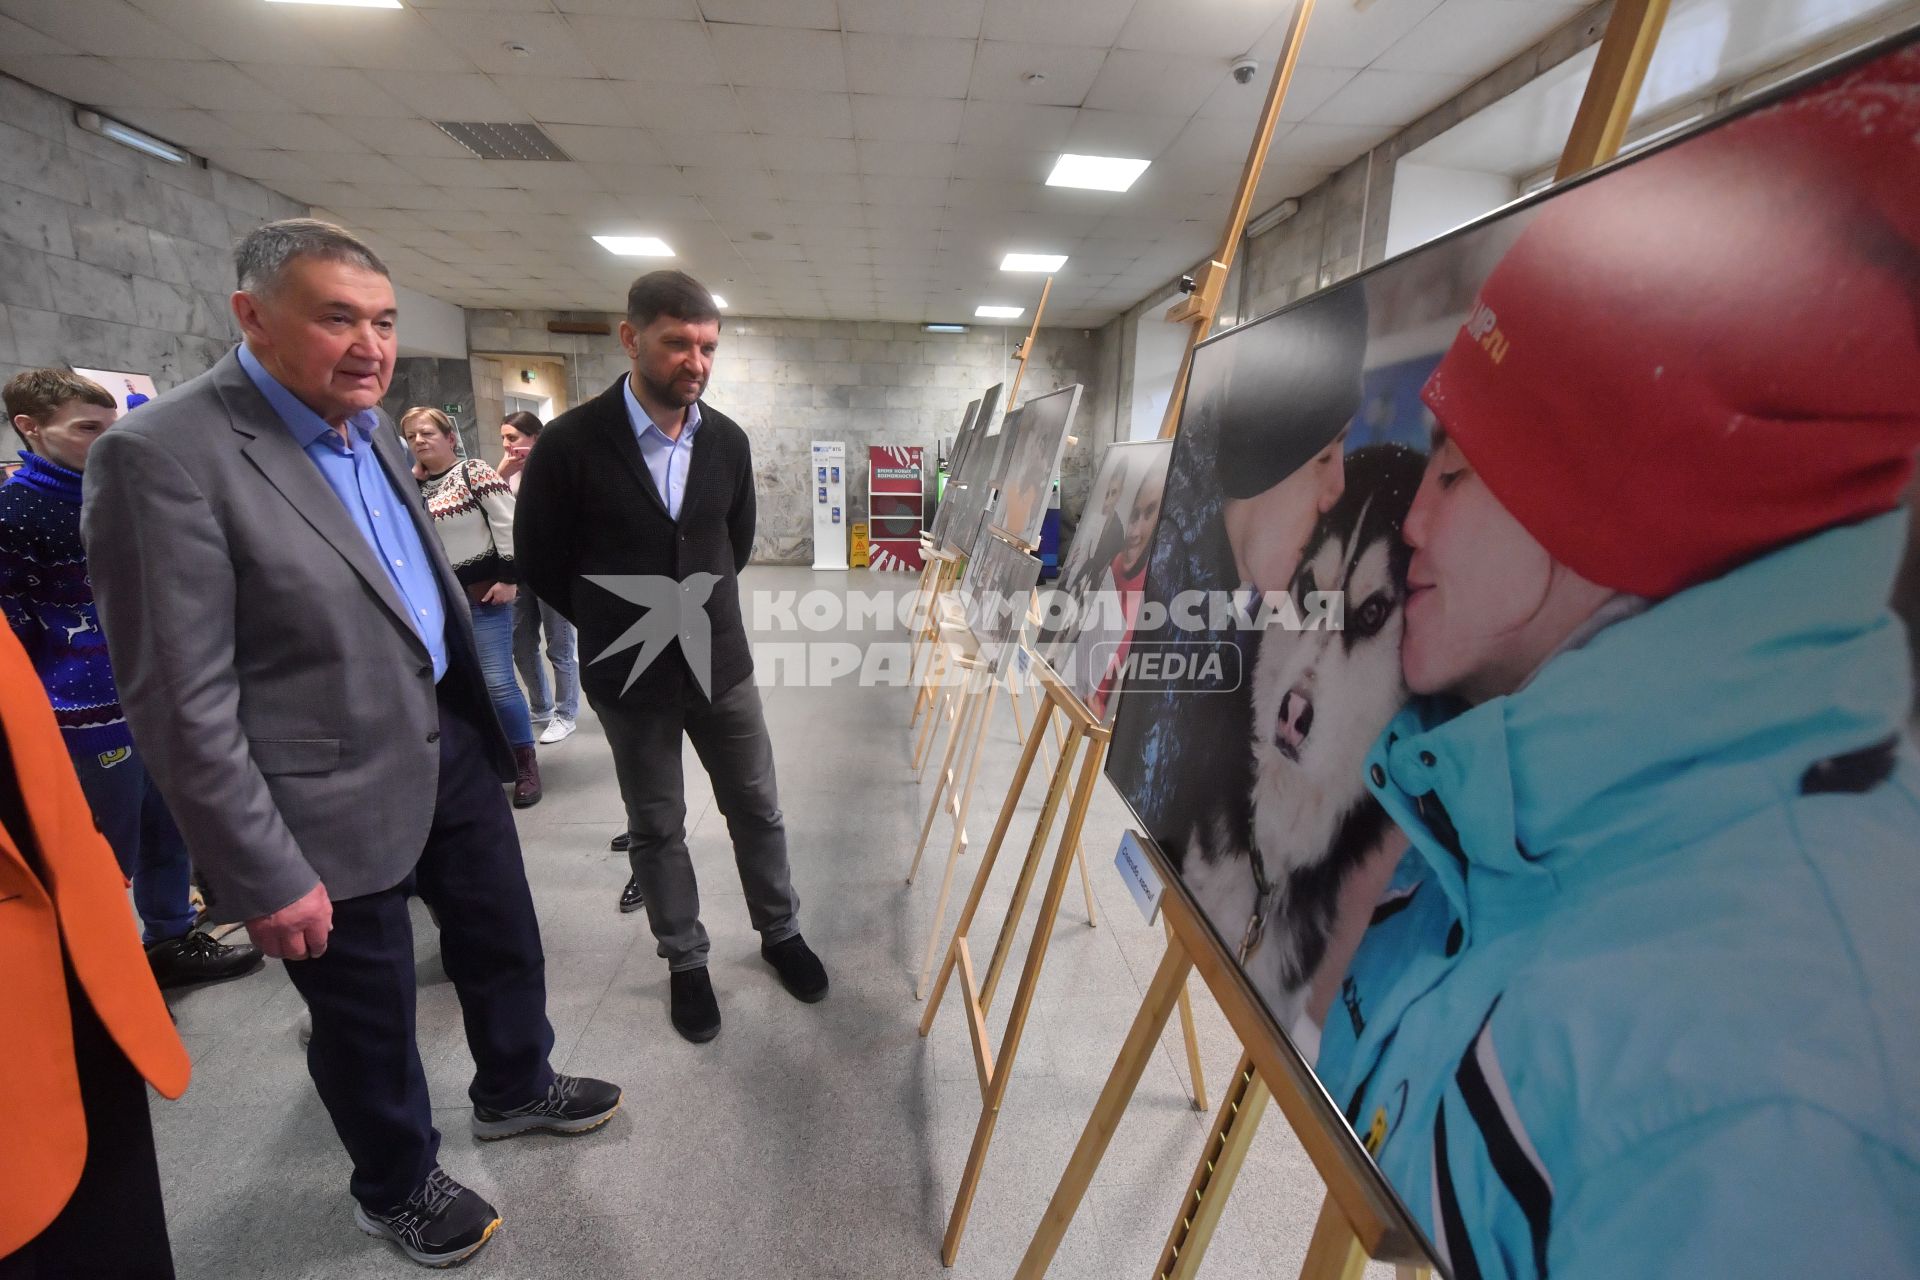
(968,489)
(963,441)
(1000,579)
(1577,860)
(1033,457)
(1087,617)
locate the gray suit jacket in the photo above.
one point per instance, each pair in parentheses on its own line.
(274,685)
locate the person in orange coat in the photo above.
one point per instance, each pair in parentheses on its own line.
(85,1029)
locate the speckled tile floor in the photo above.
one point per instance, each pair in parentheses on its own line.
(807,1141)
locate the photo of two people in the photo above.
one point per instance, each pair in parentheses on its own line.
(1568,859)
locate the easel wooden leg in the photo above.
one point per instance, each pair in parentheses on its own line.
(1213,1178)
(1022,1002)
(1022,770)
(961,800)
(968,697)
(1334,1253)
(1191,1035)
(1163,993)
(936,694)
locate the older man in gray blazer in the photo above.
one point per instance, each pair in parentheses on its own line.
(295,663)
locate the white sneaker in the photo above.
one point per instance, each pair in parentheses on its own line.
(558,730)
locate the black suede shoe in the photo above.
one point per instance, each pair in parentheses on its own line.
(197,956)
(631,899)
(801,972)
(696,1014)
(441,1224)
(621,843)
(571,1104)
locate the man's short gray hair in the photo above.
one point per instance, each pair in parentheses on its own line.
(262,254)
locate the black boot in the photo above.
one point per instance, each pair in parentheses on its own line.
(696,1014)
(526,781)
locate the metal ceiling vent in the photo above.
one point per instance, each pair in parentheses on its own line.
(502,141)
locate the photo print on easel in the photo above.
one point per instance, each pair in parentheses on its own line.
(968,489)
(1579,835)
(1033,458)
(963,442)
(1088,615)
(1001,575)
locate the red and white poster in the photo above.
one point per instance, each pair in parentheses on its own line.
(896,498)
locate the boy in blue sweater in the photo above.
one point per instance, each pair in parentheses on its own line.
(48,601)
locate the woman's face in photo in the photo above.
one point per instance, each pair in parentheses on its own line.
(1142,517)
(1268,530)
(1486,604)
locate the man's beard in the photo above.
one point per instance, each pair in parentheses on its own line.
(670,392)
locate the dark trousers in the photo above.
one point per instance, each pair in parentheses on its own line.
(115,1224)
(128,809)
(363,1057)
(730,736)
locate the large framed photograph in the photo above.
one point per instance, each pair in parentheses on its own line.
(1033,456)
(968,489)
(963,442)
(996,591)
(1540,744)
(1087,620)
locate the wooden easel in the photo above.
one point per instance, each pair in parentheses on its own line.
(1358,1221)
(1075,788)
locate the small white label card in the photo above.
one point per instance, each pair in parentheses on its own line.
(1143,882)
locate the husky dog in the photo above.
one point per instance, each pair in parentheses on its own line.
(1269,876)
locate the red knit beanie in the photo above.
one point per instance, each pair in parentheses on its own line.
(1713,351)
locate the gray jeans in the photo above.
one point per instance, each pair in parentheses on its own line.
(530,616)
(730,737)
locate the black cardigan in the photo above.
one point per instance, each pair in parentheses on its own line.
(588,505)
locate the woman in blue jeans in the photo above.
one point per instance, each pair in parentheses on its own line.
(556,704)
(472,511)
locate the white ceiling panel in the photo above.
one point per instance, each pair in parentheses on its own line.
(648,49)
(809,155)
(415,137)
(922,66)
(602,144)
(512,44)
(776,58)
(94,81)
(1094,24)
(1014,124)
(672,107)
(1123,133)
(1346,35)
(1161,83)
(914,17)
(1387,98)
(818,14)
(1050,74)
(714,150)
(906,119)
(569,100)
(796,112)
(912,159)
(210,86)
(1461,36)
(327,91)
(451,95)
(1200,27)
(106,28)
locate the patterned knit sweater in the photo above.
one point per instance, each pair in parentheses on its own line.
(48,600)
(472,511)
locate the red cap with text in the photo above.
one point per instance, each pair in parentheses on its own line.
(1712,352)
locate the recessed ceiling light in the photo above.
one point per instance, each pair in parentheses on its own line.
(635,246)
(718,301)
(1033,262)
(999,313)
(346,4)
(944,328)
(1096,173)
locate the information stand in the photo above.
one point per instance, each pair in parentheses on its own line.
(829,484)
(1358,1222)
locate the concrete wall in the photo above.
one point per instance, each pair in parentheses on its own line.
(110,259)
(790,382)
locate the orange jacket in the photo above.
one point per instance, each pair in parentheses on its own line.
(76,905)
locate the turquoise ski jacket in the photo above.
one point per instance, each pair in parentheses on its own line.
(1643,998)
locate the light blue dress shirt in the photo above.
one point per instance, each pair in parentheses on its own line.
(356,477)
(667,460)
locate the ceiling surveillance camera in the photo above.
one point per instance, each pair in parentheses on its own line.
(1245,70)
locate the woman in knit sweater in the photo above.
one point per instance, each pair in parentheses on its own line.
(472,511)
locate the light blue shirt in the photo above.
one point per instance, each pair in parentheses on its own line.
(356,477)
(667,460)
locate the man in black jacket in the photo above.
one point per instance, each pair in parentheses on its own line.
(635,517)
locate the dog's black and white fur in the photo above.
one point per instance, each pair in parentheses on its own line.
(1269,874)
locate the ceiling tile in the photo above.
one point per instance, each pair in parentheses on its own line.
(1162,83)
(914,17)
(1090,23)
(104,28)
(399,137)
(730,184)
(1122,133)
(819,156)
(512,44)
(1328,145)
(94,81)
(600,143)
(894,189)
(1388,98)
(1211,28)
(1002,71)
(922,66)
(651,179)
(716,150)
(19,42)
(643,49)
(1016,124)
(685,10)
(442,172)
(442,95)
(906,119)
(818,14)
(1471,37)
(568,101)
(328,91)
(779,59)
(684,108)
(1342,35)
(210,86)
(289,132)
(916,159)
(1004,164)
(796,112)
(381,39)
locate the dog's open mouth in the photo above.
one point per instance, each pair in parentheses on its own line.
(1294,723)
